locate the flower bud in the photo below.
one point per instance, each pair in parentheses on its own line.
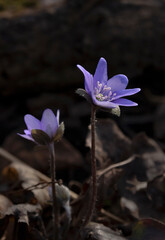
(63,197)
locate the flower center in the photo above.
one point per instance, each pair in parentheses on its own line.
(103,92)
(100,97)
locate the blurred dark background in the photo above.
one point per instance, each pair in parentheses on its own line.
(42,41)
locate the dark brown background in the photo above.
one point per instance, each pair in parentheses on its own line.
(40,47)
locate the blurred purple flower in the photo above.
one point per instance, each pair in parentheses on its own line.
(46,129)
(107,93)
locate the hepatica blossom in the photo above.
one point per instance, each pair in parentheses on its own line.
(107,93)
(45,131)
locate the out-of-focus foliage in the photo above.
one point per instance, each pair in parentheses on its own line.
(17,4)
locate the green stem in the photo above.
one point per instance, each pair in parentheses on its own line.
(93,166)
(54,199)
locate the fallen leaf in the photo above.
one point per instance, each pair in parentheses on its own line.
(28,178)
(5,203)
(152,159)
(111,144)
(17,220)
(67,157)
(96,231)
(156,192)
(20,211)
(148,164)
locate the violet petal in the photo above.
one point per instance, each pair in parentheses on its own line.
(26,136)
(101,72)
(118,82)
(104,104)
(49,122)
(124,102)
(27,132)
(58,116)
(32,122)
(126,92)
(88,79)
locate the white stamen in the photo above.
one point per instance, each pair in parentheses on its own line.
(96,91)
(109,94)
(103,92)
(105,98)
(100,87)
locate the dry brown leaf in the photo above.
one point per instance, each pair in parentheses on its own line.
(16,221)
(149,164)
(152,160)
(111,144)
(67,157)
(5,203)
(96,231)
(21,211)
(156,192)
(28,178)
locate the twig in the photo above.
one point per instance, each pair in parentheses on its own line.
(100,173)
(112,216)
(74,195)
(10,157)
(30,188)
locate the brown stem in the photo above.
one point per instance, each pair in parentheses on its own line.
(54,199)
(93,166)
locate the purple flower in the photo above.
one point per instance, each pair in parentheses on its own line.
(107,93)
(45,131)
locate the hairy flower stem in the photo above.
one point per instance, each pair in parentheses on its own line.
(54,199)
(92,202)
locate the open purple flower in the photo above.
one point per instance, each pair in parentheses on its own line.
(45,131)
(107,93)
